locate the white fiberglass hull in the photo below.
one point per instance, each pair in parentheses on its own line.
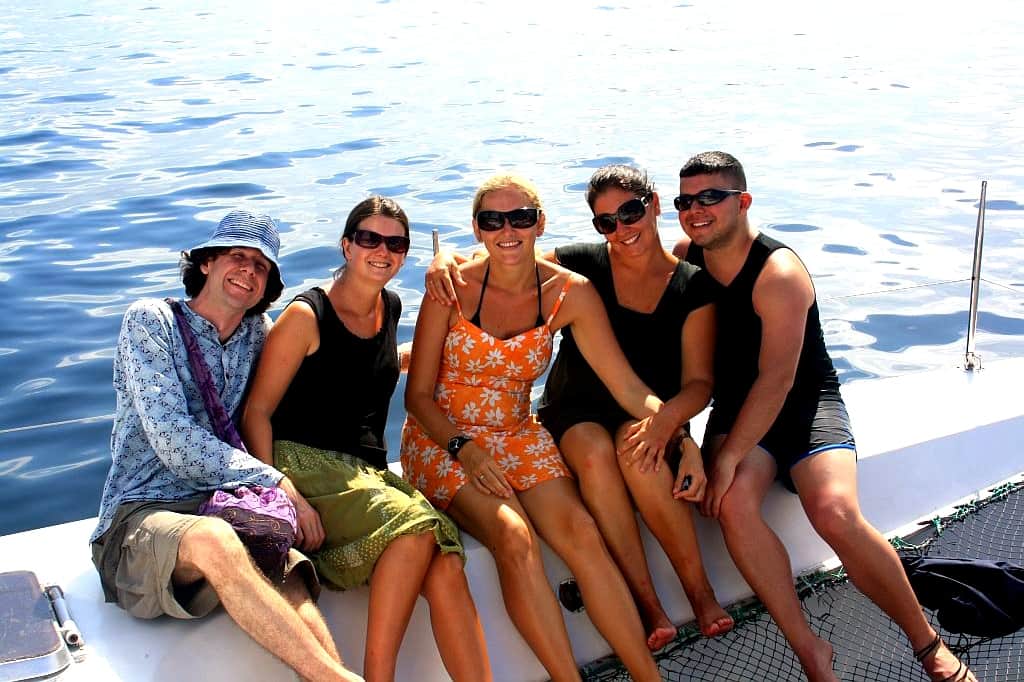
(925,441)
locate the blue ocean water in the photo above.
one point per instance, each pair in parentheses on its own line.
(128,128)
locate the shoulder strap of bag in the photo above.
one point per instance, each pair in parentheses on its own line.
(223,427)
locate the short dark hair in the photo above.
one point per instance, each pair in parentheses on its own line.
(710,163)
(194,279)
(626,178)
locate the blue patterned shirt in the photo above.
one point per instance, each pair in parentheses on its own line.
(162,444)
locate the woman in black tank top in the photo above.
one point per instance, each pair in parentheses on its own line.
(317,411)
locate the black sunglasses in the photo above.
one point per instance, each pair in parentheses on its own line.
(368,239)
(519,218)
(705,197)
(630,212)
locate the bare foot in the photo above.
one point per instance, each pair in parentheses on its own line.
(942,665)
(660,629)
(660,636)
(817,662)
(712,618)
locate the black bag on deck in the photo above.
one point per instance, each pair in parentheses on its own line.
(970,596)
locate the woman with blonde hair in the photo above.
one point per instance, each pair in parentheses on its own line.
(662,313)
(472,446)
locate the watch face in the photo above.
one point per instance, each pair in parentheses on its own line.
(455,444)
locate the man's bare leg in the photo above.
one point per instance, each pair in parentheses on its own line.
(762,560)
(297,594)
(212,551)
(827,483)
(588,449)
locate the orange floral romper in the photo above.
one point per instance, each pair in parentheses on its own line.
(484,388)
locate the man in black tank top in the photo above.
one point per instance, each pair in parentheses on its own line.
(778,413)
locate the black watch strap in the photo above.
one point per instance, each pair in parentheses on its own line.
(456,443)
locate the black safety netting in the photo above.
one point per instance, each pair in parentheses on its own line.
(868,646)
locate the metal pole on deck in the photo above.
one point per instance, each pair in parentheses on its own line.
(971,359)
(433,234)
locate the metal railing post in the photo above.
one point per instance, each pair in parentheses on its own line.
(971,359)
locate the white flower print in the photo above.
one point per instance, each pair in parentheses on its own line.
(495,358)
(490,397)
(509,461)
(535,450)
(444,466)
(495,445)
(495,417)
(470,411)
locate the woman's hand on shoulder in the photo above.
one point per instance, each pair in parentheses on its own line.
(482,471)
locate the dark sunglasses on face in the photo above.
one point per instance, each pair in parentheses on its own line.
(628,213)
(706,197)
(368,239)
(519,218)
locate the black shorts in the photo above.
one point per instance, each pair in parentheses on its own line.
(557,420)
(558,423)
(802,429)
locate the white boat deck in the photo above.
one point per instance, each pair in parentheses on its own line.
(925,441)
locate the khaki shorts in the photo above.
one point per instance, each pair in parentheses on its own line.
(137,555)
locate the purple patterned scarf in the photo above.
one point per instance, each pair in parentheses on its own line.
(263,518)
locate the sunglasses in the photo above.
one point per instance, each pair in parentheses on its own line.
(627,214)
(706,197)
(519,218)
(369,239)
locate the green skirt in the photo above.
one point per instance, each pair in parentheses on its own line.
(362,510)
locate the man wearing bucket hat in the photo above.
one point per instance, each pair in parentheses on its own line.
(154,553)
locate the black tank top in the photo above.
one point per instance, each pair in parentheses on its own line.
(739,337)
(339,398)
(651,342)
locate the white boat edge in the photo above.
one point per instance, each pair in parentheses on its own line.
(925,441)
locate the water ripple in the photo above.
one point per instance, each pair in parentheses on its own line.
(338,179)
(603,161)
(83,97)
(42,169)
(51,138)
(270,160)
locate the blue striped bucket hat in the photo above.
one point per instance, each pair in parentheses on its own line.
(248,229)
